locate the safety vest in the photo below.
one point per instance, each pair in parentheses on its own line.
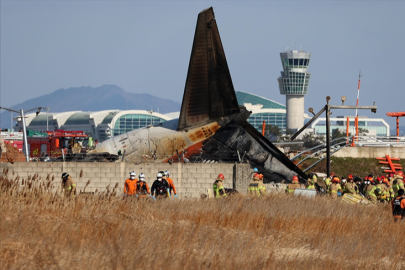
(217,188)
(255,188)
(311,187)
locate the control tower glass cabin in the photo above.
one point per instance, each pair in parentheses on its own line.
(293,83)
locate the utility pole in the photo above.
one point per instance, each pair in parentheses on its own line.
(21,113)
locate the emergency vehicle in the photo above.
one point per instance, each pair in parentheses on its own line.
(54,142)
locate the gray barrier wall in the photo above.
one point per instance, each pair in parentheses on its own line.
(371,152)
(191,180)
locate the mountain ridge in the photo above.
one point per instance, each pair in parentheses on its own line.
(87,98)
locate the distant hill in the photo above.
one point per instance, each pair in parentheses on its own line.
(106,97)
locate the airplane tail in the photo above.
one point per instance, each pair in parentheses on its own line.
(209,92)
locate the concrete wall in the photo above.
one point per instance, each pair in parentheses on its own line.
(190,179)
(371,152)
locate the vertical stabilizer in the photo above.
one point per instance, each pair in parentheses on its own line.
(209,92)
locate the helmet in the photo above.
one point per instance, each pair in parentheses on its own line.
(132,173)
(261,176)
(65,175)
(379,179)
(350,177)
(371,180)
(343,180)
(385,181)
(335,179)
(167,173)
(295,178)
(255,170)
(220,177)
(400,173)
(332,174)
(256,176)
(141,176)
(159,175)
(162,173)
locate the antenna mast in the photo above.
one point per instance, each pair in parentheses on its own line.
(358,92)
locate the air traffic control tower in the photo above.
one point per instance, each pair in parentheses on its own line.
(293,83)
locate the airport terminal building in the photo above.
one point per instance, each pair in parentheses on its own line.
(100,125)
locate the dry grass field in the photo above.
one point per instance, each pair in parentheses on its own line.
(41,229)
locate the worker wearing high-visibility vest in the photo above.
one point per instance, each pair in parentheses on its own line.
(219,190)
(256,187)
(291,187)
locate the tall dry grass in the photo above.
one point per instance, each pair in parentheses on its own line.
(39,228)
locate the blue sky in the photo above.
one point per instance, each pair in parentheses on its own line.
(144,47)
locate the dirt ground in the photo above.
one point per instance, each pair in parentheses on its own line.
(10,153)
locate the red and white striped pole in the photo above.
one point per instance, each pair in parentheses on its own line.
(356,122)
(358,92)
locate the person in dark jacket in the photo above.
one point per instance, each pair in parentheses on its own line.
(160,188)
(398,206)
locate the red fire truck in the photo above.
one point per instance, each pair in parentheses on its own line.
(57,141)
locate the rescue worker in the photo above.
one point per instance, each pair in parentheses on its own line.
(313,178)
(398,206)
(328,180)
(389,192)
(171,184)
(252,174)
(334,187)
(370,190)
(382,196)
(68,185)
(291,187)
(360,185)
(398,183)
(142,188)
(219,190)
(130,184)
(256,187)
(351,187)
(160,188)
(342,189)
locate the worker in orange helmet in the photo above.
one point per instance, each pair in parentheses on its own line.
(256,187)
(130,184)
(398,182)
(171,184)
(334,187)
(388,191)
(398,206)
(382,196)
(218,186)
(294,185)
(351,186)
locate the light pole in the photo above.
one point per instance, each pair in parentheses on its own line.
(21,113)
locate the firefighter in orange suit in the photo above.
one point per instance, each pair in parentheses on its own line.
(130,184)
(171,184)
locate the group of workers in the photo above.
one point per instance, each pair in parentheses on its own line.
(385,188)
(388,188)
(162,187)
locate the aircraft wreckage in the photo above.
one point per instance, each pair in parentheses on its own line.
(211,124)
